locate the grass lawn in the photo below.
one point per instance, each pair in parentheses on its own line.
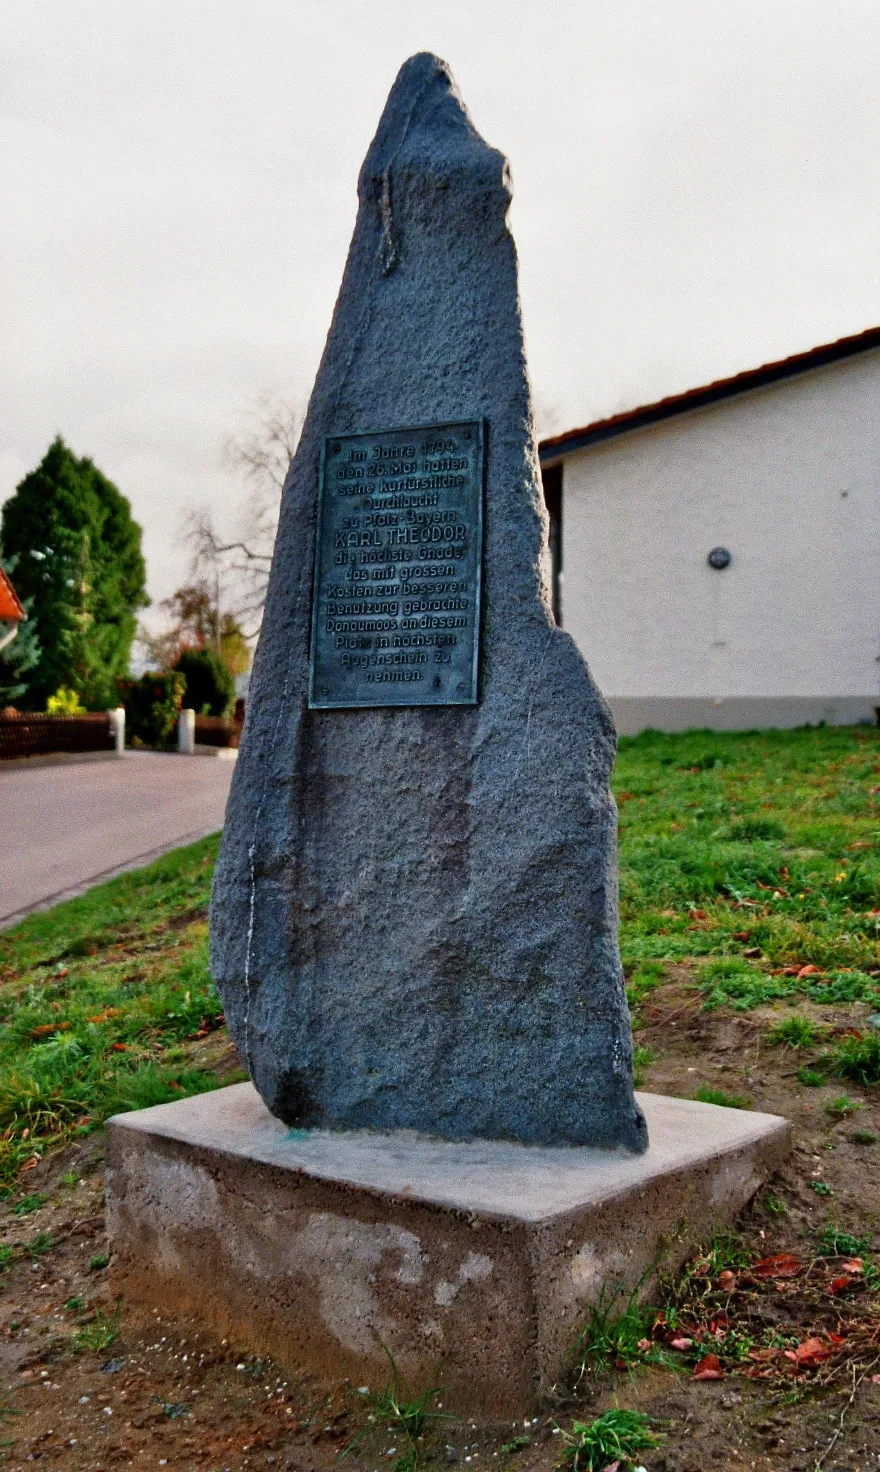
(750,933)
(751,860)
(106,1004)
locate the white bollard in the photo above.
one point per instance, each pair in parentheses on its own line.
(117,726)
(186,732)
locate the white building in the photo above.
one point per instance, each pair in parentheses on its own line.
(778,467)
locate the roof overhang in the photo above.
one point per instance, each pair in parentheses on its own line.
(556,447)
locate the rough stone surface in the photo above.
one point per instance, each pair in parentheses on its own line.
(474,1262)
(414,920)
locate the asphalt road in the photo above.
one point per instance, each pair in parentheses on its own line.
(66,827)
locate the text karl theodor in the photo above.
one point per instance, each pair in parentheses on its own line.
(399,553)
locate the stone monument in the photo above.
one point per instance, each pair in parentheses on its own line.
(414,918)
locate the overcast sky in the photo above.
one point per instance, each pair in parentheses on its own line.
(696,191)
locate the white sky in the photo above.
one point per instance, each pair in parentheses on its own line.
(696,192)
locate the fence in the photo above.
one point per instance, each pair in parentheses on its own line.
(41,735)
(216,731)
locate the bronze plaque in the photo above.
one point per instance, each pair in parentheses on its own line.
(398,562)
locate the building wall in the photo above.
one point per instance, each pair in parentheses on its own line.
(788,479)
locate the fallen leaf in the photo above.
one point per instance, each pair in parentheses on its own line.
(762,1355)
(781,1265)
(106,1015)
(809,971)
(854,1265)
(839,1285)
(727,1281)
(680,1343)
(708,1368)
(741,935)
(697,915)
(644,1345)
(809,1354)
(837,1338)
(46,1029)
(752,952)
(119,1047)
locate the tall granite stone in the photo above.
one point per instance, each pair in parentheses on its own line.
(414,917)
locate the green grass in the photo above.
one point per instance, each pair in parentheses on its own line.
(27,1204)
(613,1438)
(616,1338)
(642,1058)
(403,1415)
(774,836)
(101,1005)
(843,1106)
(794,1032)
(101,1331)
(811,1078)
(858,1058)
(707,1095)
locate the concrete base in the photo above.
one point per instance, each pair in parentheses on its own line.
(473,1263)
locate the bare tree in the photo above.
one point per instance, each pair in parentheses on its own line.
(237,565)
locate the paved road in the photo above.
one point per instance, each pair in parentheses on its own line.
(65,827)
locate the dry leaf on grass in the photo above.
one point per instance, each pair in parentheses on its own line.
(708,1368)
(809,1354)
(781,1265)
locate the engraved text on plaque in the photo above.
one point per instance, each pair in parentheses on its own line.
(398,559)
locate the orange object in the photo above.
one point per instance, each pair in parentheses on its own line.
(11,611)
(783,1265)
(709,1368)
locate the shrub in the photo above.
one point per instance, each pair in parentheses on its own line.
(151,707)
(209,688)
(64,703)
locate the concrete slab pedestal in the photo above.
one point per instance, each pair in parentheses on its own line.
(474,1264)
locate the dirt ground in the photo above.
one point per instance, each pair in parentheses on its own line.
(86,1389)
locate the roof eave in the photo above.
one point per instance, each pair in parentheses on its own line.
(556,447)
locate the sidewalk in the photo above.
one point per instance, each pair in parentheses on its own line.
(66,827)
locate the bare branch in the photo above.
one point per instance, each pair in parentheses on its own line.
(229,566)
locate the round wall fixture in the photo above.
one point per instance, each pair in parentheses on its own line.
(719,557)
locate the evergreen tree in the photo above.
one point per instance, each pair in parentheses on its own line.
(80,567)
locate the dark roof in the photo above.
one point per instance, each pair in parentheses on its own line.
(11,610)
(712,393)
